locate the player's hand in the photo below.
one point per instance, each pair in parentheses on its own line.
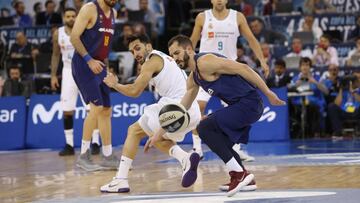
(54,83)
(151,142)
(96,66)
(111,80)
(274,99)
(265,68)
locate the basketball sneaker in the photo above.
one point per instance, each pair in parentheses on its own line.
(238,181)
(250,187)
(190,166)
(117,185)
(67,151)
(84,161)
(95,149)
(110,162)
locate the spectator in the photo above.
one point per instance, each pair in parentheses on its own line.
(306,81)
(324,53)
(307,25)
(330,80)
(122,12)
(49,16)
(346,105)
(319,6)
(121,42)
(242,57)
(297,49)
(269,7)
(149,16)
(354,52)
(243,7)
(4,13)
(13,85)
(37,8)
(264,35)
(20,18)
(265,48)
(47,46)
(21,49)
(280,78)
(139,29)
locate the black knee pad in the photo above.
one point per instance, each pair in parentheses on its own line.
(68,122)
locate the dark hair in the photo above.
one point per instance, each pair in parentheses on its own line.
(182,40)
(36,5)
(69,9)
(326,36)
(257,19)
(143,38)
(17,3)
(239,46)
(280,62)
(48,2)
(305,60)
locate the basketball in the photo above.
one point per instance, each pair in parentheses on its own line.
(173,118)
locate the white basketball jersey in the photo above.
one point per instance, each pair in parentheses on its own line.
(171,80)
(67,49)
(220,36)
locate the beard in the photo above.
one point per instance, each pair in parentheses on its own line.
(110,3)
(185,61)
(69,24)
(142,60)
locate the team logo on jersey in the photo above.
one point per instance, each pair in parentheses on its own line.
(211,34)
(210,91)
(210,26)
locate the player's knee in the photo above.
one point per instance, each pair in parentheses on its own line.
(205,127)
(133,131)
(106,111)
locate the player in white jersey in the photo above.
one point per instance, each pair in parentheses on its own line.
(218,30)
(160,70)
(69,90)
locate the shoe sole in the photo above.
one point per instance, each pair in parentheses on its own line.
(244,183)
(191,175)
(120,190)
(247,188)
(87,169)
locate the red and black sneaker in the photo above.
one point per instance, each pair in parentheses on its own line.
(250,187)
(238,180)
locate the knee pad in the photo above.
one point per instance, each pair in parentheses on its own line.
(68,122)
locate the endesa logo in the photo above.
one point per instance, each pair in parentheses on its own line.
(41,114)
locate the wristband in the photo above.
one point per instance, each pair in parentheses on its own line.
(87,57)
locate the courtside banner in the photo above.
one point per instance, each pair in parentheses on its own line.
(12,122)
(45,123)
(273,124)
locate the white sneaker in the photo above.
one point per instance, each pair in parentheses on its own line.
(116,186)
(245,156)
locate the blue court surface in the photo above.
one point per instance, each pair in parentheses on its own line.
(294,153)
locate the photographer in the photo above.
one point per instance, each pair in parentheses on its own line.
(305,81)
(346,104)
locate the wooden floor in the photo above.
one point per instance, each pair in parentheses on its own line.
(42,175)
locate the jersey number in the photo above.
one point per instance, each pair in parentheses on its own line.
(220,46)
(106,41)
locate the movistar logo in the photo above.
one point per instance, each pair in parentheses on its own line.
(268,115)
(45,116)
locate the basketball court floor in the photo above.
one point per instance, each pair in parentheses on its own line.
(296,171)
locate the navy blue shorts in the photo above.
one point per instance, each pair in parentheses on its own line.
(236,119)
(91,86)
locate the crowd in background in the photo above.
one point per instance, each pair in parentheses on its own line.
(333,81)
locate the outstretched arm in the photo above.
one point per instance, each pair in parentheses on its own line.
(153,65)
(253,42)
(219,65)
(191,93)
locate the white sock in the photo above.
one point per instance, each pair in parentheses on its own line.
(176,152)
(233,165)
(107,150)
(236,147)
(124,167)
(196,142)
(85,145)
(96,137)
(69,137)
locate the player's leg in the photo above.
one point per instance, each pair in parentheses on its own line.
(108,158)
(95,138)
(221,144)
(68,98)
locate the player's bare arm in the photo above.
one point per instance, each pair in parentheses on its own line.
(55,58)
(196,34)
(191,93)
(148,69)
(253,42)
(213,65)
(85,19)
